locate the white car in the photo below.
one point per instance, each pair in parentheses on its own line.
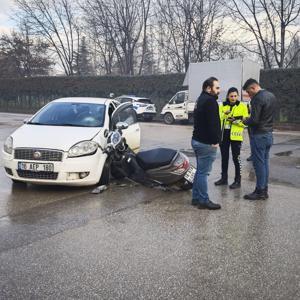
(144,107)
(62,143)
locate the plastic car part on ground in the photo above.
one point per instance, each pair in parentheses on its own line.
(99,189)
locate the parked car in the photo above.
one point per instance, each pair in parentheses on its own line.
(62,143)
(144,107)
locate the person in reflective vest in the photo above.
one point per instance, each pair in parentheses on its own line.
(232,113)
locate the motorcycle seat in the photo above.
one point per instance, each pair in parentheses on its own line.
(155,158)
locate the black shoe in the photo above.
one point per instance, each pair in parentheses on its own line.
(222,181)
(256,195)
(209,205)
(265,190)
(235,185)
(249,158)
(195,202)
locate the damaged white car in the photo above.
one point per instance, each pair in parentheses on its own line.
(62,143)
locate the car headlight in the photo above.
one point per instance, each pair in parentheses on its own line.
(83,148)
(8,145)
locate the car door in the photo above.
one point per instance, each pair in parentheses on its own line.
(126,113)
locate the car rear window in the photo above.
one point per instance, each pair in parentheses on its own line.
(144,100)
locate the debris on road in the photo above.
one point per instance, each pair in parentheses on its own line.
(99,189)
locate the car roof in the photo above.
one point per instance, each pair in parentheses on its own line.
(133,97)
(84,100)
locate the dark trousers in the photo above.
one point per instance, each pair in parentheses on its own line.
(236,151)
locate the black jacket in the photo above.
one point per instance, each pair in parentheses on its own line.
(263,106)
(207,127)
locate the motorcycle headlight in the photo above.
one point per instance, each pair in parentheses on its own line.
(8,145)
(115,138)
(83,148)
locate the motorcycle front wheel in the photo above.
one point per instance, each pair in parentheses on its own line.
(116,174)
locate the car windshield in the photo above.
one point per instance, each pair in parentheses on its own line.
(71,114)
(145,100)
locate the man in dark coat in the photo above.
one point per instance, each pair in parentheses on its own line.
(263,105)
(205,140)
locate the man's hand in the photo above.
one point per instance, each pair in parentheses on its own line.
(245,120)
(215,145)
(227,112)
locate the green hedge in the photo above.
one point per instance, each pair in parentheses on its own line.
(285,84)
(29,94)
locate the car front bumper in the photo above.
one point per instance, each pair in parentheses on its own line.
(66,172)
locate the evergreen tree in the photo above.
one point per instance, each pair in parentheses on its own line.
(83,60)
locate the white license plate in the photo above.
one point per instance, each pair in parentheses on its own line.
(190,174)
(35,167)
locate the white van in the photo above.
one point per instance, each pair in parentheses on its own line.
(178,108)
(233,72)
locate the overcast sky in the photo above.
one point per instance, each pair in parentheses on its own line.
(5,10)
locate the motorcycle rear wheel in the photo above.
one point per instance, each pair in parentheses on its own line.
(185,185)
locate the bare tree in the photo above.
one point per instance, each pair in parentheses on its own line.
(103,49)
(55,21)
(176,22)
(273,24)
(193,30)
(118,26)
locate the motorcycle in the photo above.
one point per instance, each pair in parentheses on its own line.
(157,167)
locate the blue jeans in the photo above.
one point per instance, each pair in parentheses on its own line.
(205,155)
(260,149)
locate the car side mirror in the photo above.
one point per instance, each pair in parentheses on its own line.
(121,125)
(25,121)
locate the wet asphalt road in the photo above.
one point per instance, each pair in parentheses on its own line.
(132,242)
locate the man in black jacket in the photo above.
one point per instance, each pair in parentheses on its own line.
(263,105)
(205,140)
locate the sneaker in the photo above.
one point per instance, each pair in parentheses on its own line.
(256,195)
(221,181)
(209,205)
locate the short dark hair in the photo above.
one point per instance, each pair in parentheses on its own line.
(249,82)
(209,82)
(232,90)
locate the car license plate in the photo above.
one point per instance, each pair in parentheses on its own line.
(35,167)
(190,174)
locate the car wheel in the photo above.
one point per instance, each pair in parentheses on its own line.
(168,118)
(105,176)
(191,120)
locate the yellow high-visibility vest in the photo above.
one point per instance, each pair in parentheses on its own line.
(237,111)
